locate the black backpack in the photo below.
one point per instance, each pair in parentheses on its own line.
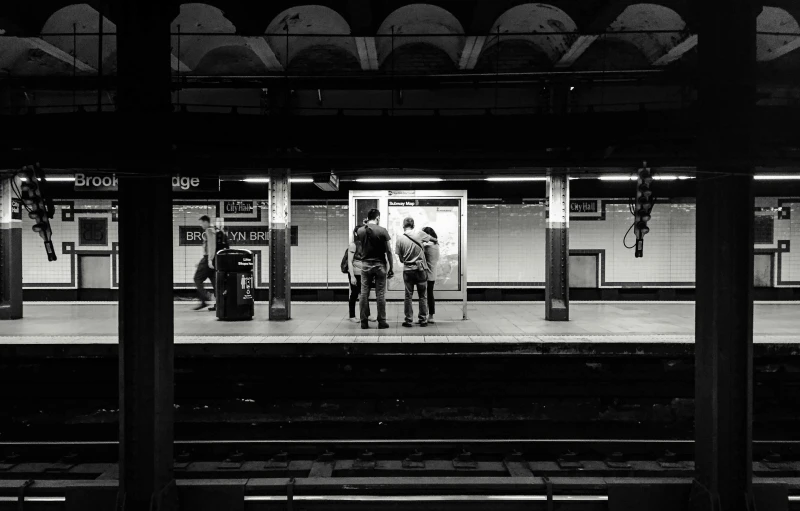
(222,240)
(344,266)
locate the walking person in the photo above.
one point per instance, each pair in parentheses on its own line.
(377,253)
(432,258)
(205,268)
(415,270)
(354,255)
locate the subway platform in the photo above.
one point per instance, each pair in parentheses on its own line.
(641,323)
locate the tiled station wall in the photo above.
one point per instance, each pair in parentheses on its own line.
(506,243)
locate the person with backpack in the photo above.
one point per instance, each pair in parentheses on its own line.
(376,253)
(351,265)
(411,253)
(214,240)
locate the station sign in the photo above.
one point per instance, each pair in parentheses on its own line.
(583,206)
(16,209)
(238,235)
(251,235)
(237,207)
(109,183)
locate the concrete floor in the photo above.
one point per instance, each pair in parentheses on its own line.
(598,321)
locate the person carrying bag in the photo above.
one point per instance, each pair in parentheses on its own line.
(415,271)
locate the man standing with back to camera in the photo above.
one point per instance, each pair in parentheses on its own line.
(376,253)
(411,253)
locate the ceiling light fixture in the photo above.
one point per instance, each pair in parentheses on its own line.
(617,178)
(518,178)
(399,180)
(777,177)
(266,180)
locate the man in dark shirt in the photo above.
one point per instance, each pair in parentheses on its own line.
(375,254)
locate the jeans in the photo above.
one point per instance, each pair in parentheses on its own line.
(431,301)
(355,292)
(373,270)
(202,273)
(419,279)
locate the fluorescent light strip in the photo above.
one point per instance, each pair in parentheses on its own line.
(33,499)
(426,498)
(777,177)
(266,180)
(617,178)
(399,180)
(52,179)
(520,178)
(659,177)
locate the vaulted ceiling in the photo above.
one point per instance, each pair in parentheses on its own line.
(247,38)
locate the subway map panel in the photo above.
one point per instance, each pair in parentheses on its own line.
(444,216)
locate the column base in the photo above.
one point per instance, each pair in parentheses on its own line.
(278,310)
(556,311)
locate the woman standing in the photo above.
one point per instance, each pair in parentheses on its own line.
(432,257)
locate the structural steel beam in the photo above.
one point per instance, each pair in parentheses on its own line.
(263,51)
(471,52)
(578,48)
(557,248)
(54,51)
(367,53)
(677,51)
(10,252)
(783,50)
(146,349)
(178,65)
(280,245)
(724,273)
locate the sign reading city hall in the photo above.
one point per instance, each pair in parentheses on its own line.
(109,183)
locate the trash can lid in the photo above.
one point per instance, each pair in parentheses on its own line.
(234,252)
(234,259)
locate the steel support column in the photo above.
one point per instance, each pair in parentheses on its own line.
(145,228)
(146,343)
(10,253)
(280,245)
(557,248)
(724,275)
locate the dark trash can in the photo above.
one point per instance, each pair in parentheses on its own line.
(234,284)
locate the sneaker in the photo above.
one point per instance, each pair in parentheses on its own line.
(383,325)
(212,308)
(424,324)
(430,320)
(364,325)
(407,324)
(354,320)
(373,319)
(202,305)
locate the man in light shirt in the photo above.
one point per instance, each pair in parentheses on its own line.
(410,252)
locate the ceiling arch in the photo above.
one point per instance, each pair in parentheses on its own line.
(82,19)
(548,21)
(197,18)
(649,17)
(309,20)
(420,24)
(774,19)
